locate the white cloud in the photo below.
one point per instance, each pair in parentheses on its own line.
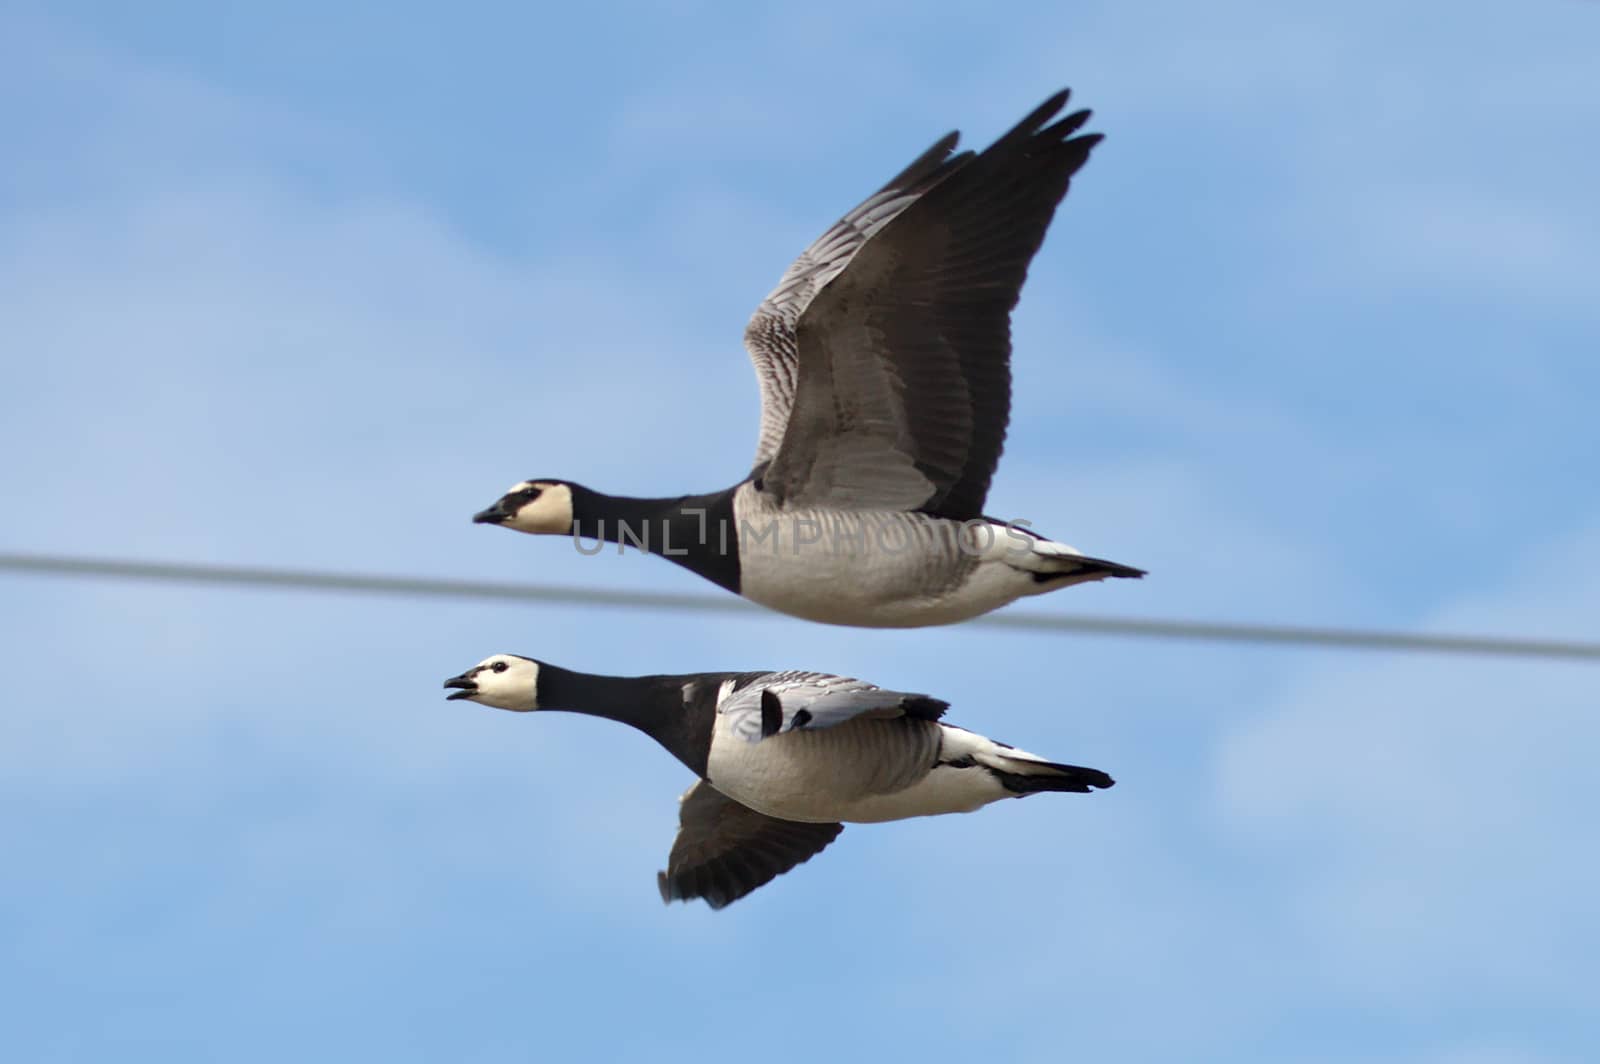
(1429,818)
(1503,247)
(1490,1052)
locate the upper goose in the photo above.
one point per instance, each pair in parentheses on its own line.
(782,757)
(884,362)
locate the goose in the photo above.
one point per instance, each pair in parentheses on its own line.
(883,359)
(783,760)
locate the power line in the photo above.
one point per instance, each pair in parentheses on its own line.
(1211,631)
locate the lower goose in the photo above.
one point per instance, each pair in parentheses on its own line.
(784,759)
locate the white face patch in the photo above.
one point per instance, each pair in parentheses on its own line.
(506,681)
(548,513)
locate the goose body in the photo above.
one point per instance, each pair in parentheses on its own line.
(883,358)
(785,759)
(895,569)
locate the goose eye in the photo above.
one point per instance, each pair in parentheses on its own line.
(499,666)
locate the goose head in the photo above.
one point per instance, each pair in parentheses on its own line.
(541,507)
(504,681)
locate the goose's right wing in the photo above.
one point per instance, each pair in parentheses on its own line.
(770,336)
(725,850)
(785,701)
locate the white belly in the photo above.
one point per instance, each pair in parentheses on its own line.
(944,790)
(872,569)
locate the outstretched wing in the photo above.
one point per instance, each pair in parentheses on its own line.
(725,850)
(770,336)
(901,391)
(788,701)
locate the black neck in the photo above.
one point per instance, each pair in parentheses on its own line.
(695,531)
(652,704)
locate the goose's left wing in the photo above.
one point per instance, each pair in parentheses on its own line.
(725,850)
(902,386)
(770,336)
(785,702)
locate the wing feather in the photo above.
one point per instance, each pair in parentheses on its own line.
(725,850)
(788,701)
(901,391)
(770,336)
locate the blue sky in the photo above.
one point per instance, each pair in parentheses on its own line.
(1313,339)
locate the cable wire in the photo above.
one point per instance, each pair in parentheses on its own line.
(1209,631)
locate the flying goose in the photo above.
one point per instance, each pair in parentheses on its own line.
(783,758)
(883,358)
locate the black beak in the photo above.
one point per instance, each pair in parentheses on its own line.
(466,687)
(494,515)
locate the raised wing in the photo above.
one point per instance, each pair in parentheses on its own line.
(902,389)
(789,701)
(725,850)
(770,336)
